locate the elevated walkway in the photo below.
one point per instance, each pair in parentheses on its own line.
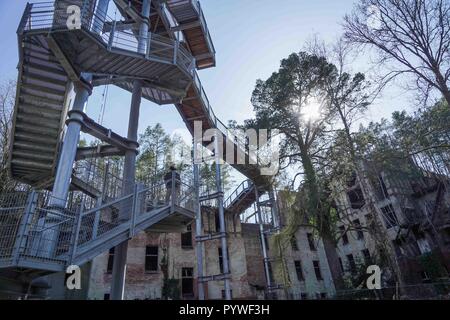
(37,239)
(241,198)
(51,56)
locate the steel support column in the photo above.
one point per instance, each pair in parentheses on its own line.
(129,174)
(226,268)
(263,242)
(198,225)
(70,144)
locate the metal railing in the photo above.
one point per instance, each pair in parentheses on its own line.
(239,141)
(245,187)
(37,235)
(53,16)
(204,25)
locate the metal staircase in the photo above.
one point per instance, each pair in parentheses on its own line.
(40,113)
(242,198)
(192,22)
(38,237)
(28,225)
(51,55)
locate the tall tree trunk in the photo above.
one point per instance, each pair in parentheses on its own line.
(322,212)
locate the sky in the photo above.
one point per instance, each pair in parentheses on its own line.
(251,37)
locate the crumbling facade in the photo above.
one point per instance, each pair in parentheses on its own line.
(412,210)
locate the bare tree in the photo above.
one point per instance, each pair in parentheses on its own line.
(411,37)
(7,100)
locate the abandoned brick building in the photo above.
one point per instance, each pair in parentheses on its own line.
(413,210)
(414,215)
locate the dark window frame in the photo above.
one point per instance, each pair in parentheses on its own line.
(299,270)
(390,217)
(311,242)
(351,262)
(294,244)
(187,280)
(317,270)
(148,262)
(344,235)
(110,263)
(186,239)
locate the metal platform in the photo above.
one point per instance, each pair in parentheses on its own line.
(36,236)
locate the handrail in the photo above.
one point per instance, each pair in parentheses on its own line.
(245,186)
(47,18)
(205,26)
(217,123)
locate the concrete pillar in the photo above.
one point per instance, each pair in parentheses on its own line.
(100,16)
(226,266)
(129,174)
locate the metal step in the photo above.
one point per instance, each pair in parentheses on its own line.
(38,114)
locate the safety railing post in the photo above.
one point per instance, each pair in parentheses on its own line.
(149,45)
(96,219)
(76,233)
(25,221)
(175,50)
(26,17)
(135,208)
(173,191)
(111,35)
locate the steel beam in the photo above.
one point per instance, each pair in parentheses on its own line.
(198,228)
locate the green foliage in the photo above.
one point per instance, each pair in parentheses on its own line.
(433,267)
(171,289)
(154,158)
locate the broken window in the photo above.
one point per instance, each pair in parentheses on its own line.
(294,243)
(298,270)
(351,262)
(356,198)
(217,221)
(186,238)
(359,231)
(344,235)
(151,259)
(311,242)
(389,216)
(317,270)
(221,259)
(381,189)
(187,282)
(110,265)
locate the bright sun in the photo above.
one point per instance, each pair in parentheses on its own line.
(312,112)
